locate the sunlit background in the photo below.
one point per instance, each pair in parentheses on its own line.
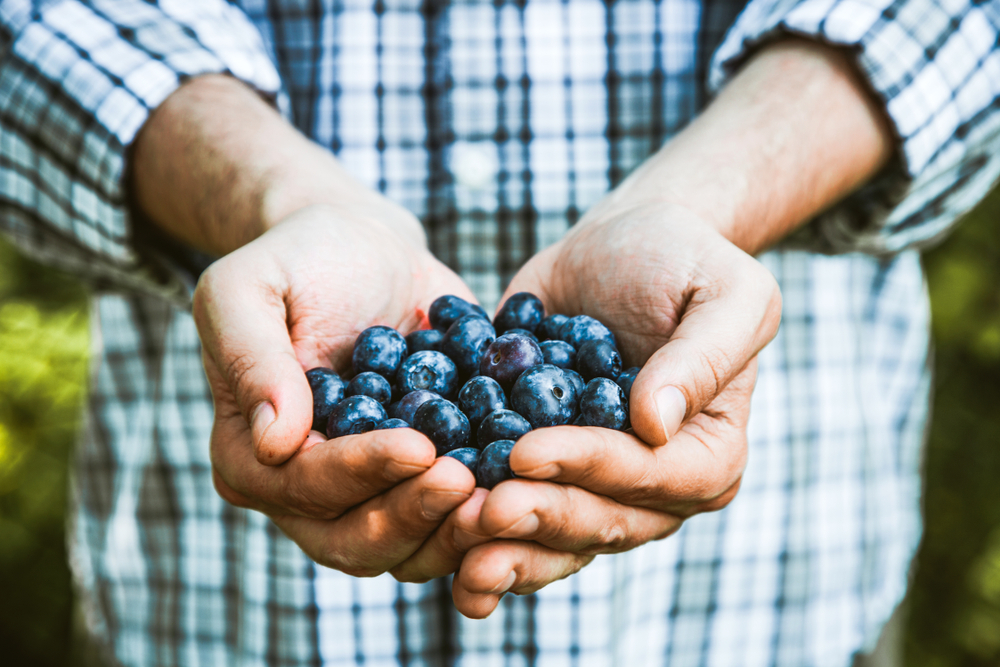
(954,606)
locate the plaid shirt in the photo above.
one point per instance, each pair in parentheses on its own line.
(498,123)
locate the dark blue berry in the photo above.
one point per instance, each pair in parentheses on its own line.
(479,397)
(407,406)
(428,370)
(509,356)
(494,464)
(603,404)
(598,359)
(391,423)
(546,396)
(576,379)
(424,339)
(548,329)
(502,425)
(466,340)
(625,381)
(521,311)
(578,330)
(558,353)
(353,415)
(327,390)
(444,424)
(521,332)
(379,350)
(447,309)
(468,456)
(370,384)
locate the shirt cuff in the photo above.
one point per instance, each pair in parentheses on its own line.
(936,69)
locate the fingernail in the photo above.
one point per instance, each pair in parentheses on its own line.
(672,406)
(526,525)
(260,419)
(505,585)
(436,504)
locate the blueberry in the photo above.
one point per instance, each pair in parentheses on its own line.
(576,380)
(548,329)
(494,464)
(354,414)
(443,423)
(370,384)
(521,311)
(468,456)
(447,309)
(625,381)
(424,339)
(387,424)
(379,350)
(522,332)
(558,353)
(502,425)
(603,404)
(578,330)
(545,395)
(428,370)
(509,356)
(407,406)
(598,359)
(479,397)
(327,390)
(466,340)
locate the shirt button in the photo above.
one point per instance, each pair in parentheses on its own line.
(474,165)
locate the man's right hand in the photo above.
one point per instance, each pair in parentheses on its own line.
(293,299)
(310,258)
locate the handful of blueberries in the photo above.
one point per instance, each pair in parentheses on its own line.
(472,393)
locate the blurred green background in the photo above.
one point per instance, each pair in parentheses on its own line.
(954,608)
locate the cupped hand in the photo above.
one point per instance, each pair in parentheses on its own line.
(693,311)
(293,299)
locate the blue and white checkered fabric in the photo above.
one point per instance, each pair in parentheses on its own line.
(498,123)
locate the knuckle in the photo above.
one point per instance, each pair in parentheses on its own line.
(612,537)
(237,371)
(352,565)
(294,494)
(710,362)
(228,494)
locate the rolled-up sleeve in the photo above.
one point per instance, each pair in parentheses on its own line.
(935,65)
(77,81)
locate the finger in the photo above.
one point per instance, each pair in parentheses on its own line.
(568,518)
(325,478)
(242,324)
(490,570)
(442,553)
(389,528)
(698,470)
(724,325)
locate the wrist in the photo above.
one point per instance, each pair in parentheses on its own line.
(795,131)
(215,166)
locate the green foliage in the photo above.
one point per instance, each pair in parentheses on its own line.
(43,356)
(955,602)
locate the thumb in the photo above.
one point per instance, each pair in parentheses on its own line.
(242,325)
(723,327)
(536,277)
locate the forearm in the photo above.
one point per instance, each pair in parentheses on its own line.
(794,132)
(215,167)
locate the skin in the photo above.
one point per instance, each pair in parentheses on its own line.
(689,304)
(216,167)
